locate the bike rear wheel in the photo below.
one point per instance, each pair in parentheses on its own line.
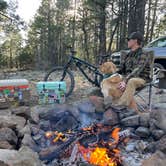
(59,74)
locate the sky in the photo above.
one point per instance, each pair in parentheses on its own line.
(27,8)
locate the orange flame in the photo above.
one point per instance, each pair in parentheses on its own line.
(98,156)
(48,134)
(87,128)
(58,136)
(115,134)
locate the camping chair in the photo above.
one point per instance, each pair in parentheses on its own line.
(149,84)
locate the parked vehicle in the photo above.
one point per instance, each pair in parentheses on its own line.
(158,46)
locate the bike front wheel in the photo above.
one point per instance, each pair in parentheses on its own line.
(59,74)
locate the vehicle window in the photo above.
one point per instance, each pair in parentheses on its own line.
(162,43)
(159,43)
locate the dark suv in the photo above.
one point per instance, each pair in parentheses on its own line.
(158,46)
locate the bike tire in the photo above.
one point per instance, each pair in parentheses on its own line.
(56,74)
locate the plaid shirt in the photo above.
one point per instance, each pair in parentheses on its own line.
(136,64)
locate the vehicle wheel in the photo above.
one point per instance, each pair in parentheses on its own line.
(58,74)
(157,67)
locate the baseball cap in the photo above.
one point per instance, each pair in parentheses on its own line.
(135,35)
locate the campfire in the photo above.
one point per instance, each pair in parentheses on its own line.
(97,144)
(71,136)
(103,153)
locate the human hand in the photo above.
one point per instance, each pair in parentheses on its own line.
(122,86)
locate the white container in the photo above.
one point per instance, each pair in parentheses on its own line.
(13,82)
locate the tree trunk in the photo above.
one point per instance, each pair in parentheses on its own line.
(148,22)
(153,19)
(140,15)
(102,31)
(95,45)
(11,55)
(136,16)
(111,37)
(123,28)
(85,36)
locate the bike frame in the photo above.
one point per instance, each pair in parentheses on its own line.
(79,62)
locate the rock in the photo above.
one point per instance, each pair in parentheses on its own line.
(144,119)
(141,146)
(5,112)
(5,145)
(157,159)
(94,91)
(22,111)
(7,134)
(151,147)
(159,117)
(130,147)
(12,121)
(35,114)
(158,145)
(108,101)
(45,125)
(161,144)
(110,117)
(157,134)
(98,102)
(131,121)
(7,156)
(24,157)
(34,129)
(143,132)
(25,130)
(28,141)
(126,113)
(131,160)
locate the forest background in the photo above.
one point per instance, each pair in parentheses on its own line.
(92,27)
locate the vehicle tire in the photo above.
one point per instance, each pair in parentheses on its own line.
(156,69)
(56,74)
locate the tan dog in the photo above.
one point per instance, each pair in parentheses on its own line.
(109,87)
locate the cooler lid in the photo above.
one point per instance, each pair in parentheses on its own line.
(13,82)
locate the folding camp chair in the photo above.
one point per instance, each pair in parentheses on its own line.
(149,84)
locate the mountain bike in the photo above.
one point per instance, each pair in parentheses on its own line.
(64,73)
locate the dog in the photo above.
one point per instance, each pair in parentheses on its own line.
(109,87)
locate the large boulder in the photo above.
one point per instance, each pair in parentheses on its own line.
(157,118)
(7,134)
(12,121)
(24,157)
(131,121)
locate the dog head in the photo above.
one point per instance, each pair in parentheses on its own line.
(108,68)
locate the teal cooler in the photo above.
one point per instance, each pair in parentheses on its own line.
(51,92)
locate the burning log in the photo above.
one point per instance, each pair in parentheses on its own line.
(55,151)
